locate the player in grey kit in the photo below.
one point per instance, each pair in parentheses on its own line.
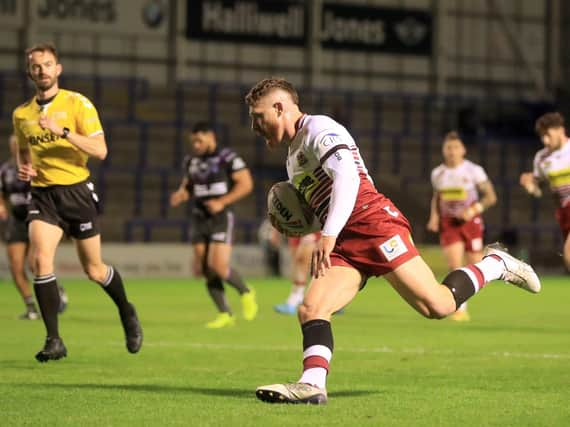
(14,209)
(215,178)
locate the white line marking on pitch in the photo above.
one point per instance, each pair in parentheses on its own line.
(418,350)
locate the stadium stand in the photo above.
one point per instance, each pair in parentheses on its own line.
(399,135)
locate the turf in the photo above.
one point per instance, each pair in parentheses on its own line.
(509,366)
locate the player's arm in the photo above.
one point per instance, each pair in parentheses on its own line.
(182,194)
(242,186)
(530,183)
(24,162)
(339,165)
(433,222)
(487,195)
(94,145)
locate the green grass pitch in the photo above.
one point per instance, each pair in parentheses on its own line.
(509,366)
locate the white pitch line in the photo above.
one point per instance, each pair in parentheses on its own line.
(384,349)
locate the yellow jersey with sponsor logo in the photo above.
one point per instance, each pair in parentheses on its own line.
(56,160)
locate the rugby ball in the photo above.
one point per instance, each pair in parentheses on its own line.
(288,211)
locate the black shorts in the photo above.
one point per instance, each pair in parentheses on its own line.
(218,228)
(73,208)
(16,230)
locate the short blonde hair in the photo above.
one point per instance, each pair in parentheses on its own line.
(263,87)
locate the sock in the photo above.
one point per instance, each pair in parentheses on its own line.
(47,296)
(218,295)
(236,281)
(297,294)
(30,303)
(113,286)
(492,268)
(317,352)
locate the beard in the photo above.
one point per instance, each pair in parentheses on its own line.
(45,85)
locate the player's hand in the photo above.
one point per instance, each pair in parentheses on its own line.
(528,182)
(467,215)
(433,224)
(46,122)
(26,172)
(214,206)
(177,198)
(320,260)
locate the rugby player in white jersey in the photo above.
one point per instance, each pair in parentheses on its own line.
(461,192)
(552,165)
(363,235)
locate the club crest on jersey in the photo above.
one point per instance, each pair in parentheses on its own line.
(393,247)
(301,158)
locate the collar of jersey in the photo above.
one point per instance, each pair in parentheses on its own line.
(42,102)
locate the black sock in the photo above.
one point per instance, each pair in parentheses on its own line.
(317,332)
(47,295)
(460,285)
(218,295)
(237,282)
(113,285)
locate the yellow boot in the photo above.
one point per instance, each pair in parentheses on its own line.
(222,321)
(249,305)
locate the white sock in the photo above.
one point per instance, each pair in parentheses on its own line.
(296,296)
(491,267)
(463,307)
(315,376)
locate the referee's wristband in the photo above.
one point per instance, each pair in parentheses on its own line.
(65,133)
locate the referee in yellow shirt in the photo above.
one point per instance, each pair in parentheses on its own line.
(57,131)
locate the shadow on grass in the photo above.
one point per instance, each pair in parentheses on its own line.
(158,388)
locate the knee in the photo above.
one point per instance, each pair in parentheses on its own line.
(41,263)
(96,272)
(219,270)
(307,311)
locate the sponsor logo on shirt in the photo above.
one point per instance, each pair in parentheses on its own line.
(393,247)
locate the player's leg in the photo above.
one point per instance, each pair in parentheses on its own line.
(215,286)
(567,252)
(89,252)
(415,281)
(219,255)
(44,239)
(17,252)
(325,296)
(301,252)
(454,254)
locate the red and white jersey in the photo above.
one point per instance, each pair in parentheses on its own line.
(317,139)
(554,167)
(457,187)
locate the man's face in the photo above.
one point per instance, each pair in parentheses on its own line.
(553,138)
(44,69)
(453,151)
(267,120)
(202,142)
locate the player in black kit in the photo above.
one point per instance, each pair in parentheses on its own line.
(215,178)
(14,210)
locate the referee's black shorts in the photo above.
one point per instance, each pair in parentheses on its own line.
(73,208)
